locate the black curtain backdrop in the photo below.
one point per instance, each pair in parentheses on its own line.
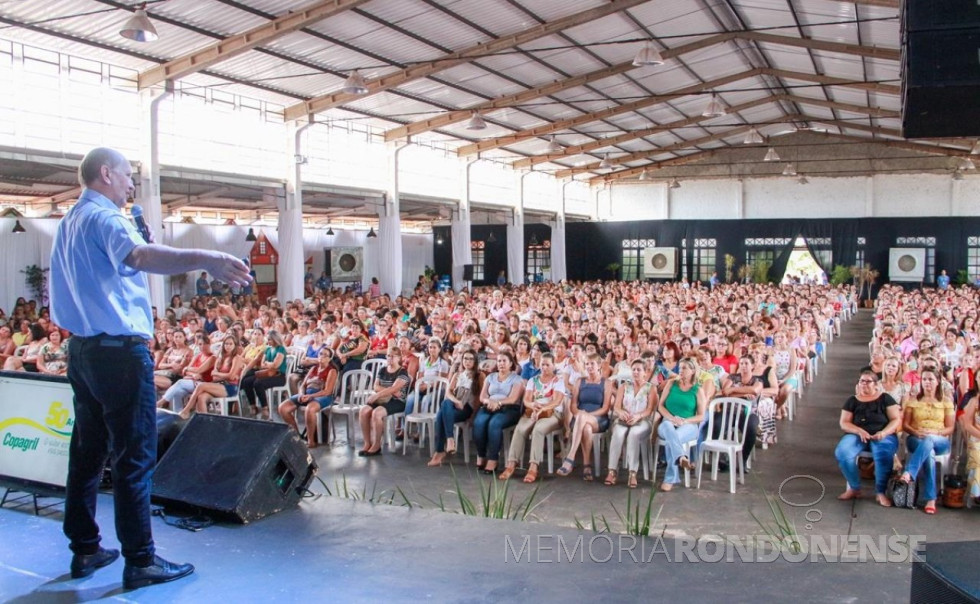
(591,246)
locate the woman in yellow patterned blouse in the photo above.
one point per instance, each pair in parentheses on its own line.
(929,420)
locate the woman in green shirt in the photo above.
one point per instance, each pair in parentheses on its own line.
(682,408)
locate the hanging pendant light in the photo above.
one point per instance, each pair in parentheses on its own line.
(476,122)
(605,164)
(674,184)
(715,108)
(965,163)
(803,180)
(553,147)
(771,155)
(371,234)
(534,240)
(354,84)
(19,228)
(329,230)
(492,238)
(975,149)
(251,235)
(645,175)
(752,137)
(648,56)
(789,170)
(138,27)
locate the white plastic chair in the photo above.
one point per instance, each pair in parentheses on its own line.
(424,413)
(277,395)
(225,402)
(374,366)
(355,387)
(730,438)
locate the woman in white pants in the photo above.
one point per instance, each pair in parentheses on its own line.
(543,400)
(636,400)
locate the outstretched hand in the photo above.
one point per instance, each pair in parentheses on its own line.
(228,269)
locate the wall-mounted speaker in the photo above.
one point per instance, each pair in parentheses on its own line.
(346,263)
(467,272)
(907,264)
(660,262)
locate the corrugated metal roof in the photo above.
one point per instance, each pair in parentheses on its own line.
(384,38)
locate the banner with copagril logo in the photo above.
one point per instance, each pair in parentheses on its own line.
(36,419)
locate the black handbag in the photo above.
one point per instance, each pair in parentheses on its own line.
(901,493)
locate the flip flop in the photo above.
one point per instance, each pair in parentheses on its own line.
(566,467)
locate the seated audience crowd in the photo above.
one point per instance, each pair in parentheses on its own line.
(918,393)
(560,364)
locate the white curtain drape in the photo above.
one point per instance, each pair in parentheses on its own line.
(559,268)
(515,250)
(462,253)
(20,250)
(390,254)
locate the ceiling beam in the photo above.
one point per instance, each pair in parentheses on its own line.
(503,141)
(452,117)
(951,143)
(511,100)
(877,52)
(427,68)
(832,81)
(622,159)
(677,161)
(872,111)
(528,162)
(231,46)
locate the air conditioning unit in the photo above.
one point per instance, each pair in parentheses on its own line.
(660,262)
(907,264)
(346,264)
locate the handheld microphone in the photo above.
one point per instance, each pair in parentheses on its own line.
(141,226)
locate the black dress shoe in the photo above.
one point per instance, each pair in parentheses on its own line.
(160,571)
(83,565)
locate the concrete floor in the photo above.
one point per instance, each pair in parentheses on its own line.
(338,547)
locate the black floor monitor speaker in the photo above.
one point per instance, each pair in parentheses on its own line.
(467,272)
(946,572)
(235,468)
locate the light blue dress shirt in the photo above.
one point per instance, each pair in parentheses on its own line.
(92,291)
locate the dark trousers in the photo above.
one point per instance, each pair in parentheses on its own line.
(447,416)
(115,419)
(488,429)
(255,387)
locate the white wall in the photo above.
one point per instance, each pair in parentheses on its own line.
(898,195)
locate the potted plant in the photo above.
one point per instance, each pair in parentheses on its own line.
(37,282)
(613,269)
(729,267)
(868,275)
(744,273)
(840,275)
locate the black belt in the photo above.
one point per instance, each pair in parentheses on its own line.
(104,339)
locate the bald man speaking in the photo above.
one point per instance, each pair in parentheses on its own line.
(100,292)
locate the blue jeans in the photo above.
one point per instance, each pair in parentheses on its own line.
(410,401)
(447,416)
(674,439)
(115,418)
(882,450)
(922,456)
(488,429)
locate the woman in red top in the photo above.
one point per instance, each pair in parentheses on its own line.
(316,393)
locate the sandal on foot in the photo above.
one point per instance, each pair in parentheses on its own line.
(566,467)
(610,478)
(930,509)
(587,473)
(507,473)
(531,476)
(632,480)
